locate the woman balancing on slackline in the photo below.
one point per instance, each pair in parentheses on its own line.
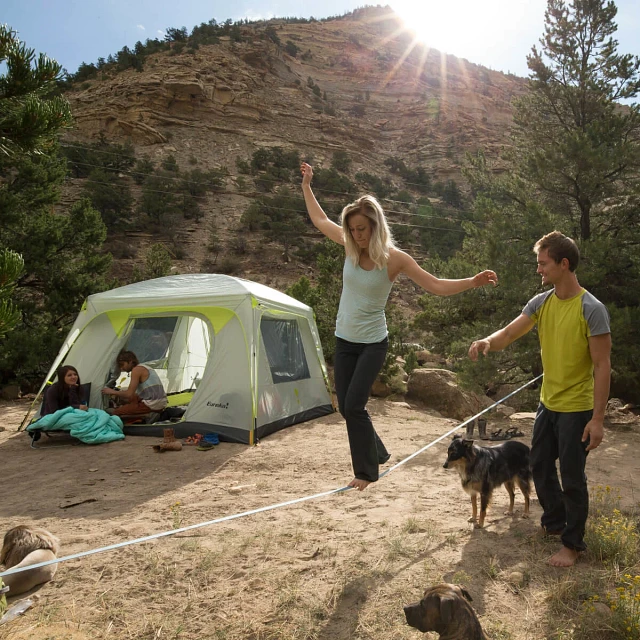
(371,265)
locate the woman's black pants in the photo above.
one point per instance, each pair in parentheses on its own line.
(356,367)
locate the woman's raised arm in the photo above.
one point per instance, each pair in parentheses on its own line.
(319,218)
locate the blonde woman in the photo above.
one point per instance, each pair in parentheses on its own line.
(372,264)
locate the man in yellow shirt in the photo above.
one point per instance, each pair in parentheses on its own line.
(575,344)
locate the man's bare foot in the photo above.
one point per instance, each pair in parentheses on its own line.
(564,558)
(358,484)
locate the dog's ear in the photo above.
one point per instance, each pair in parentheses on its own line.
(468,443)
(447,606)
(456,436)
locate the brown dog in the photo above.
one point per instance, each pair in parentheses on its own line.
(23,546)
(445,610)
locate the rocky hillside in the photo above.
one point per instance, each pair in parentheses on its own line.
(355,83)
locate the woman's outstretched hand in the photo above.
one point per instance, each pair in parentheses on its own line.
(307,173)
(484,278)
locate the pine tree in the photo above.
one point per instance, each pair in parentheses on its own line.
(28,120)
(579,146)
(60,250)
(11,266)
(29,116)
(574,165)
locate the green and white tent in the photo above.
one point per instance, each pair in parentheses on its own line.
(244,358)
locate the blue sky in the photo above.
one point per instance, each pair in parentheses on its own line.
(495,33)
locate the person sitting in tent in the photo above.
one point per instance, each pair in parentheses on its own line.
(66,392)
(145,392)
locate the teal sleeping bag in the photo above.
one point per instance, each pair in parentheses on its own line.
(93,426)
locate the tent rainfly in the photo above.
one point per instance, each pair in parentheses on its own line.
(244,358)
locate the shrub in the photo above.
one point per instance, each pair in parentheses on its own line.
(411,361)
(382,188)
(341,161)
(291,49)
(170,164)
(611,536)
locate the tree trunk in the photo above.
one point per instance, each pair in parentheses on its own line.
(585,218)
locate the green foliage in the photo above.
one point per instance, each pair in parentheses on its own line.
(213,243)
(63,265)
(576,144)
(410,362)
(273,167)
(189,207)
(440,235)
(11,267)
(157,264)
(197,182)
(159,197)
(29,117)
(60,250)
(324,296)
(99,155)
(573,165)
(291,49)
(611,536)
(110,195)
(332,183)
(144,167)
(451,194)
(272,34)
(243,166)
(341,161)
(382,187)
(170,164)
(176,35)
(417,178)
(279,217)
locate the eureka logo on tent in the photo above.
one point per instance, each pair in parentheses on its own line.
(218,405)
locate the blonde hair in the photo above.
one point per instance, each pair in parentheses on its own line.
(381,241)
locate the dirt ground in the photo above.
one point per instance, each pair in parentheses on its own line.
(335,568)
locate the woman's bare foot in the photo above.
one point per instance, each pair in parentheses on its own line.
(564,558)
(358,484)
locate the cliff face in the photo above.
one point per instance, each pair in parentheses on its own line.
(356,83)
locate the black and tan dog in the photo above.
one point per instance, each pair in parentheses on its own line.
(482,469)
(445,609)
(23,546)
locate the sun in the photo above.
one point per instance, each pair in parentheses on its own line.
(458,27)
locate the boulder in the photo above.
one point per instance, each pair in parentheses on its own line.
(523,419)
(426,357)
(380,389)
(620,414)
(10,392)
(396,384)
(438,389)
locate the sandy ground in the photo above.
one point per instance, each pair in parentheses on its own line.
(334,568)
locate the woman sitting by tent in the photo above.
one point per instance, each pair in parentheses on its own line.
(145,392)
(66,392)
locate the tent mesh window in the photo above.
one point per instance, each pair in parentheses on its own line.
(283,343)
(150,337)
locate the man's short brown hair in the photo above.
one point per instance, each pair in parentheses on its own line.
(559,246)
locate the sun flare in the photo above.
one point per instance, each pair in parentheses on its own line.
(458,27)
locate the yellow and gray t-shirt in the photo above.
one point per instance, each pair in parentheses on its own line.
(564,329)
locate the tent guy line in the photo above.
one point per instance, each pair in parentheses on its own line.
(271,507)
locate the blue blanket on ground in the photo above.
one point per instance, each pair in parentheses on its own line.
(93,426)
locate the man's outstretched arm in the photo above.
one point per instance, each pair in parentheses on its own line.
(502,338)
